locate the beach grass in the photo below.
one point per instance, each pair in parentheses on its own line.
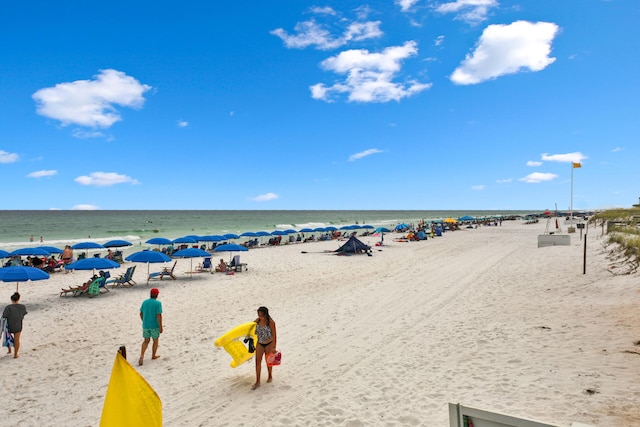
(624,234)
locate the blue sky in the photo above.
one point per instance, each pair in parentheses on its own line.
(406,104)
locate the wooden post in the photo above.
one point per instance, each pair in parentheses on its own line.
(584,261)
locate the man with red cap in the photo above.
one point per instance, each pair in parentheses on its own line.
(151,316)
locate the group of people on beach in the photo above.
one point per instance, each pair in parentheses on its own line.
(151,317)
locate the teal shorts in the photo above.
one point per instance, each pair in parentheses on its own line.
(151,333)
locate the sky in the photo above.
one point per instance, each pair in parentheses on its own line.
(397,104)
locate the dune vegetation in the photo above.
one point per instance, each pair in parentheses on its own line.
(623,231)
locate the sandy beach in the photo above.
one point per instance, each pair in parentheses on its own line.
(481,317)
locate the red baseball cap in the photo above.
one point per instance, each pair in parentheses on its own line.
(155,291)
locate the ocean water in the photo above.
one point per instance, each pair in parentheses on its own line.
(58,228)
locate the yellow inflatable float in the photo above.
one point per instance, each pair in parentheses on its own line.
(232,342)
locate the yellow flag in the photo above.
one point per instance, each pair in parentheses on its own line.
(130,400)
(577,165)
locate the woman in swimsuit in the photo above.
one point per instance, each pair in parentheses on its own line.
(266,332)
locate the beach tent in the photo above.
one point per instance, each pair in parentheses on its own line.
(353,246)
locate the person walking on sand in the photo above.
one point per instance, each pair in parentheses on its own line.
(14,313)
(267,340)
(151,316)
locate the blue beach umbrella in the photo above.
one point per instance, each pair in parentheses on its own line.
(231,236)
(185,239)
(30,251)
(117,243)
(330,228)
(22,274)
(383,230)
(230,247)
(367,226)
(93,264)
(320,229)
(290,231)
(279,233)
(87,245)
(212,238)
(249,234)
(262,233)
(191,253)
(305,230)
(349,227)
(148,257)
(51,249)
(158,241)
(4,254)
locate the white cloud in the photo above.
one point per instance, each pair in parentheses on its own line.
(438,41)
(265,197)
(182,124)
(6,157)
(83,134)
(537,177)
(507,49)
(617,149)
(504,181)
(364,153)
(42,173)
(406,5)
(471,11)
(310,33)
(576,157)
(105,179)
(533,163)
(477,187)
(91,102)
(369,75)
(85,208)
(327,10)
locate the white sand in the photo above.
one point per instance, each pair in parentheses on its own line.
(481,317)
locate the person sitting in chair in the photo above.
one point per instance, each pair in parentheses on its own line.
(222,267)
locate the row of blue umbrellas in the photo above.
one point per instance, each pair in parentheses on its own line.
(230,236)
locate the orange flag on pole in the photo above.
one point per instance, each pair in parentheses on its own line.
(577,165)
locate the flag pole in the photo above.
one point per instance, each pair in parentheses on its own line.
(571,206)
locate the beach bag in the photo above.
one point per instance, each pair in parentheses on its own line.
(274,359)
(7,338)
(252,347)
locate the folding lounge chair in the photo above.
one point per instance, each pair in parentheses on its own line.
(103,283)
(206,265)
(91,290)
(165,272)
(125,280)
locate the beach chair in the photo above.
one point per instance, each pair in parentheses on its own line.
(117,257)
(103,283)
(91,290)
(165,272)
(205,266)
(236,265)
(125,280)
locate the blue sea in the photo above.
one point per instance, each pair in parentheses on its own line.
(58,228)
